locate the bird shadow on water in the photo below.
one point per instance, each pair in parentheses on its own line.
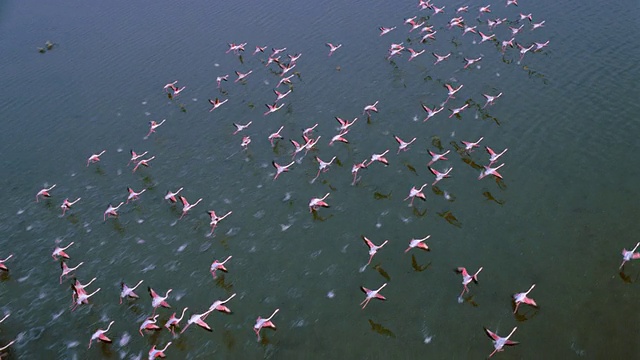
(417,267)
(72,218)
(627,279)
(228,339)
(417,212)
(317,217)
(379,196)
(380,329)
(117,226)
(221,283)
(450,218)
(106,350)
(525,316)
(469,300)
(490,197)
(382,272)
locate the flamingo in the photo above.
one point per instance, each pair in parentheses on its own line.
(100,336)
(128,291)
(373,249)
(60,251)
(522,298)
(217,265)
(419,243)
(218,305)
(316,203)
(155,353)
(157,300)
(44,192)
(416,193)
(264,323)
(65,269)
(500,342)
(174,321)
(372,294)
(198,319)
(186,206)
(95,158)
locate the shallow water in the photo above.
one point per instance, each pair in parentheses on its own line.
(565,209)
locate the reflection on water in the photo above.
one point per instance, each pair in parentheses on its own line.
(559,218)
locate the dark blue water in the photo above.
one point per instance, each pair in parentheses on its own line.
(565,209)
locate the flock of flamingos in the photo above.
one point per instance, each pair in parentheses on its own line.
(469,21)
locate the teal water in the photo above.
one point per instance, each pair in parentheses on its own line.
(565,210)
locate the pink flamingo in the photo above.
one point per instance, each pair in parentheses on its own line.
(275,135)
(128,291)
(316,203)
(134,195)
(466,278)
(521,298)
(149,324)
(264,323)
(44,193)
(355,168)
(216,103)
(217,265)
(372,294)
(59,251)
(66,205)
(220,79)
(403,145)
(112,211)
(65,269)
(100,336)
(490,99)
(153,125)
(215,219)
(240,127)
(83,298)
(323,166)
(144,162)
(95,158)
(379,158)
(419,243)
(493,156)
(333,48)
(373,249)
(171,196)
(174,321)
(440,58)
(3,267)
(435,157)
(456,111)
(155,353)
(218,305)
(369,108)
(272,108)
(627,255)
(468,145)
(282,168)
(431,112)
(198,319)
(242,76)
(439,175)
(186,206)
(500,342)
(135,156)
(157,300)
(416,193)
(490,171)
